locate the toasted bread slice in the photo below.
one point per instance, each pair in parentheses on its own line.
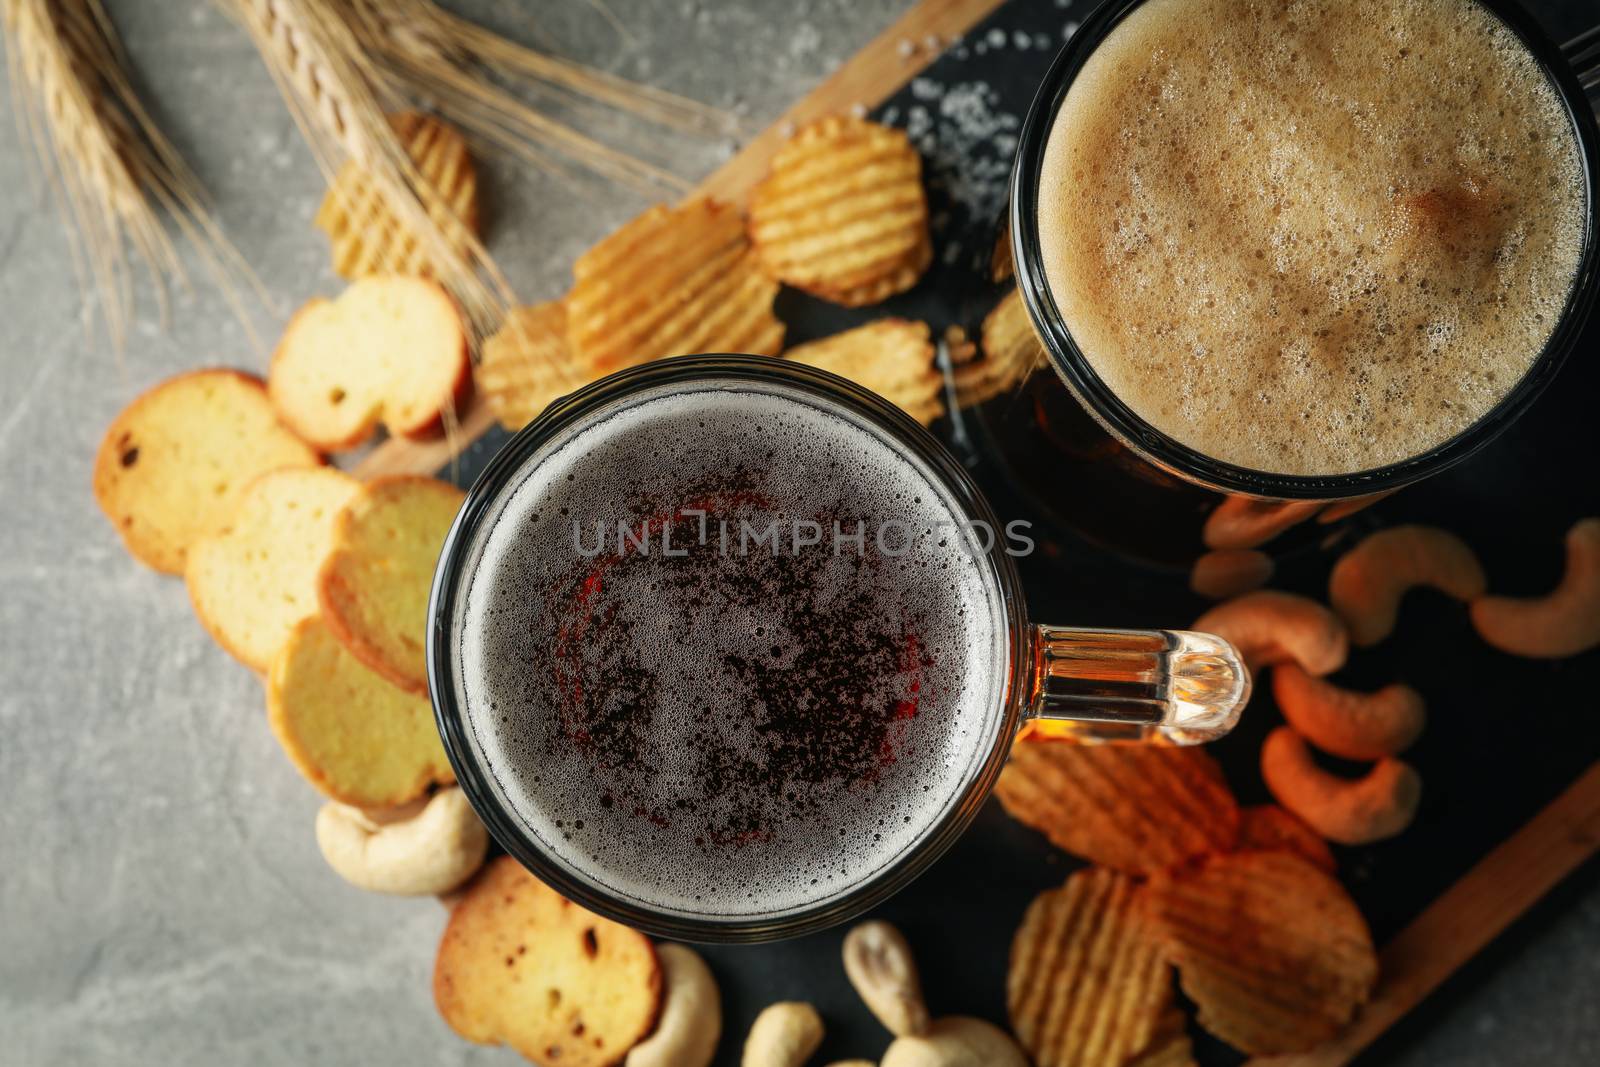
(367,237)
(521,965)
(390,350)
(358,739)
(256,576)
(174,463)
(374,584)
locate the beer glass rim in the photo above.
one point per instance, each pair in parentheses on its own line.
(1192,464)
(448,584)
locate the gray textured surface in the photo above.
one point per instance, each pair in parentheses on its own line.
(161,897)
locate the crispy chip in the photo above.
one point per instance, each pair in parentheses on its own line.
(1271,950)
(1011,352)
(527,364)
(1269,828)
(366,236)
(1087,984)
(897,280)
(891,357)
(1134,808)
(1169,1046)
(843,214)
(673,282)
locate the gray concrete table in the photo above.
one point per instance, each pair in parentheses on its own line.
(161,897)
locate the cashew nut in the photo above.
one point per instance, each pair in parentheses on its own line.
(784,1035)
(690,1024)
(956,1041)
(1271,627)
(1227,572)
(428,851)
(1343,722)
(1349,811)
(1563,623)
(1369,580)
(1245,522)
(879,964)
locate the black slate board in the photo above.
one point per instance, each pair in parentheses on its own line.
(1507,735)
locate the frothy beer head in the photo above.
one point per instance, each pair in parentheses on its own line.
(1311,236)
(725,651)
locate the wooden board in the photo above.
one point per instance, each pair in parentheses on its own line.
(1436,942)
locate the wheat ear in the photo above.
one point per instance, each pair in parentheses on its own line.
(104,160)
(339,96)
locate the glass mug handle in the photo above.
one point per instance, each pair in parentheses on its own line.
(1173,686)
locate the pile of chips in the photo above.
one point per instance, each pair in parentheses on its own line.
(1242,903)
(842,216)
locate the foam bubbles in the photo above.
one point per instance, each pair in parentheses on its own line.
(727,734)
(1312,237)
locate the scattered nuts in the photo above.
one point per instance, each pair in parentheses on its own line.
(690,1024)
(1245,522)
(1563,623)
(785,1034)
(1227,572)
(853,1063)
(1349,811)
(1369,580)
(420,852)
(880,966)
(1271,627)
(1343,722)
(956,1041)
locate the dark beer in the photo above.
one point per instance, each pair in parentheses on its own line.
(729,652)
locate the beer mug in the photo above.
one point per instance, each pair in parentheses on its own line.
(1142,490)
(722,747)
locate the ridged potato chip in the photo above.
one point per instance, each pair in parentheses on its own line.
(673,282)
(1170,1046)
(1269,828)
(891,357)
(527,364)
(843,214)
(366,236)
(1133,808)
(1087,983)
(1272,951)
(1011,352)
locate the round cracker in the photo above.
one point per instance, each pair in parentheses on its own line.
(521,965)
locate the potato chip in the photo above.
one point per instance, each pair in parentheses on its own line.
(895,281)
(1134,808)
(366,235)
(1087,983)
(1269,828)
(842,214)
(1170,1046)
(891,357)
(1272,951)
(673,282)
(527,364)
(1011,352)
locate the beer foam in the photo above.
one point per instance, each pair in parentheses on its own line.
(1313,236)
(686,731)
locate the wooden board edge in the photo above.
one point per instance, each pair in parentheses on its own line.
(1467,916)
(868,78)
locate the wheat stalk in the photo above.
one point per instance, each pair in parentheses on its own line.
(339,98)
(106,163)
(427,51)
